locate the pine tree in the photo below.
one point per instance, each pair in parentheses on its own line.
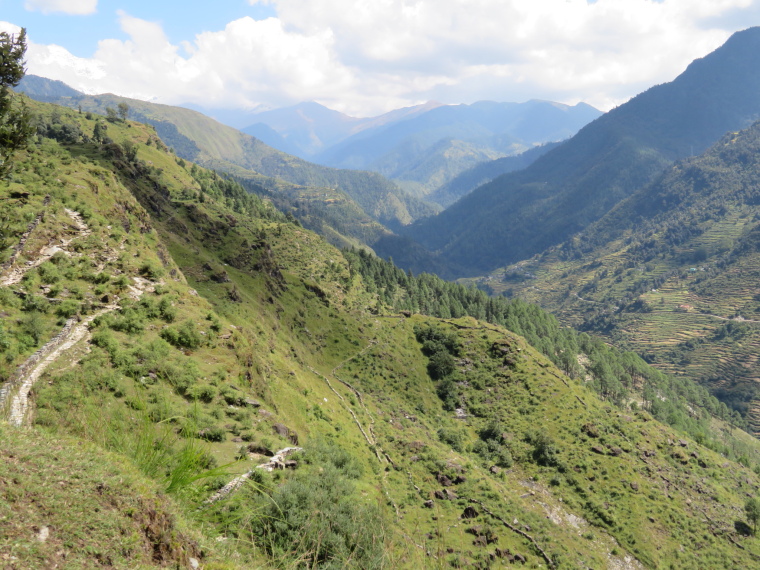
(15,119)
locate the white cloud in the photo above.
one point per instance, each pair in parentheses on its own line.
(9,28)
(73,7)
(365,57)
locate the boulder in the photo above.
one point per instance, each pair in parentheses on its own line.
(444,480)
(469,513)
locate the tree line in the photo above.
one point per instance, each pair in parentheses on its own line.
(616,375)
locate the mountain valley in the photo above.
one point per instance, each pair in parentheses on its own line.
(204,363)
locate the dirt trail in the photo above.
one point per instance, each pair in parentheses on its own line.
(14,394)
(17,273)
(277,462)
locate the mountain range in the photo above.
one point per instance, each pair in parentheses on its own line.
(522,213)
(422,147)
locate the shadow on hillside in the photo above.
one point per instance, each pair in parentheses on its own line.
(742,528)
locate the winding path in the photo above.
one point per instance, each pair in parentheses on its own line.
(14,394)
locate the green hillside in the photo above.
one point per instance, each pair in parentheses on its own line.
(521,214)
(185,330)
(671,272)
(198,138)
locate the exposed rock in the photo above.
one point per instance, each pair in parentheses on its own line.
(495,469)
(444,480)
(469,513)
(597,449)
(634,485)
(285,432)
(450,495)
(260,449)
(428,504)
(590,430)
(281,430)
(459,479)
(615,451)
(683,443)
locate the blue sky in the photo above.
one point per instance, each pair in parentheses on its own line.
(80,33)
(365,57)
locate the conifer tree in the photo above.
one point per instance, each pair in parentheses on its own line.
(15,120)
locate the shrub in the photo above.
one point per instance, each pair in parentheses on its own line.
(67,308)
(185,335)
(317,516)
(151,271)
(213,433)
(452,437)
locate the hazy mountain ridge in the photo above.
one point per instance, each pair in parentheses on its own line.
(309,128)
(481,130)
(522,213)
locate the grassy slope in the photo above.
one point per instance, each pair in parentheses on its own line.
(286,323)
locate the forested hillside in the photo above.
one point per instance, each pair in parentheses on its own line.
(671,272)
(522,213)
(217,386)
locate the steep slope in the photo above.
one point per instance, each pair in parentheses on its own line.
(670,272)
(484,172)
(426,442)
(520,214)
(198,138)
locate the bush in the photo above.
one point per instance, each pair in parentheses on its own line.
(151,271)
(185,335)
(67,309)
(453,437)
(214,433)
(203,392)
(441,364)
(316,516)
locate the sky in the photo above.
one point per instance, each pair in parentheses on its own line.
(366,57)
